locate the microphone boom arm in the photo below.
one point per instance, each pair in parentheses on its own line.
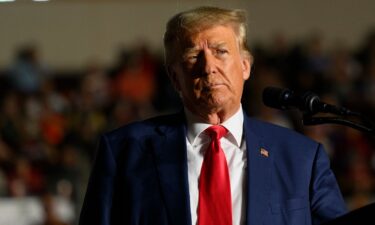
(309,120)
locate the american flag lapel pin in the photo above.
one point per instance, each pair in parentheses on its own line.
(264,152)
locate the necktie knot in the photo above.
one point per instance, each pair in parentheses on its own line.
(216,131)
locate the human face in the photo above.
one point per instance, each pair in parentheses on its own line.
(211,72)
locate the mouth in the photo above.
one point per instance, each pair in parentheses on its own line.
(217,86)
(208,87)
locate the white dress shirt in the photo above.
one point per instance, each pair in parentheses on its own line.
(234,147)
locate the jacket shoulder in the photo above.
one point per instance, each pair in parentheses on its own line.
(139,129)
(277,134)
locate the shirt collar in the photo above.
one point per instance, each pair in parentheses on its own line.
(234,125)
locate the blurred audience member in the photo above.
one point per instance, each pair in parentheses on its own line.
(135,80)
(25,179)
(12,120)
(57,211)
(342,74)
(28,72)
(95,87)
(362,180)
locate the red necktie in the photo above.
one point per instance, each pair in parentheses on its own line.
(215,204)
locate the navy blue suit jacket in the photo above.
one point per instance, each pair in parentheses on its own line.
(140,177)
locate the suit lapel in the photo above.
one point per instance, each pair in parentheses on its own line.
(258,174)
(171,163)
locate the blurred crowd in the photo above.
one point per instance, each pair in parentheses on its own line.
(50,120)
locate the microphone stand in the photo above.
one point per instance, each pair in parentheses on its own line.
(366,125)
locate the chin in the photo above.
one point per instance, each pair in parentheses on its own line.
(216,104)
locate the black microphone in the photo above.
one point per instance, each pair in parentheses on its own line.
(307,102)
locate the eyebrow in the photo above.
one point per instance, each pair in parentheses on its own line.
(195,49)
(217,45)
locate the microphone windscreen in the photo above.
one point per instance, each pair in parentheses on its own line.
(276,97)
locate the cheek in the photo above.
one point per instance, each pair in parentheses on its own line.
(182,79)
(237,79)
(234,72)
(188,86)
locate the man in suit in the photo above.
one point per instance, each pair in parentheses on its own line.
(164,170)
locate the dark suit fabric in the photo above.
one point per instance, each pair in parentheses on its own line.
(140,177)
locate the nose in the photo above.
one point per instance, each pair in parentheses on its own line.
(208,63)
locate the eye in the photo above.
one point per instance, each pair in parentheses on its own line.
(221,51)
(192,57)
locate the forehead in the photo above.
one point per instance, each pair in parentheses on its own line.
(218,35)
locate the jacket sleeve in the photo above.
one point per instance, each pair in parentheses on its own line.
(325,195)
(98,199)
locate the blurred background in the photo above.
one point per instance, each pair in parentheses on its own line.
(73,69)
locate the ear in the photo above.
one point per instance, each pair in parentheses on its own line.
(246,66)
(173,77)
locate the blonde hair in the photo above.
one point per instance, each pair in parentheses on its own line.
(195,20)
